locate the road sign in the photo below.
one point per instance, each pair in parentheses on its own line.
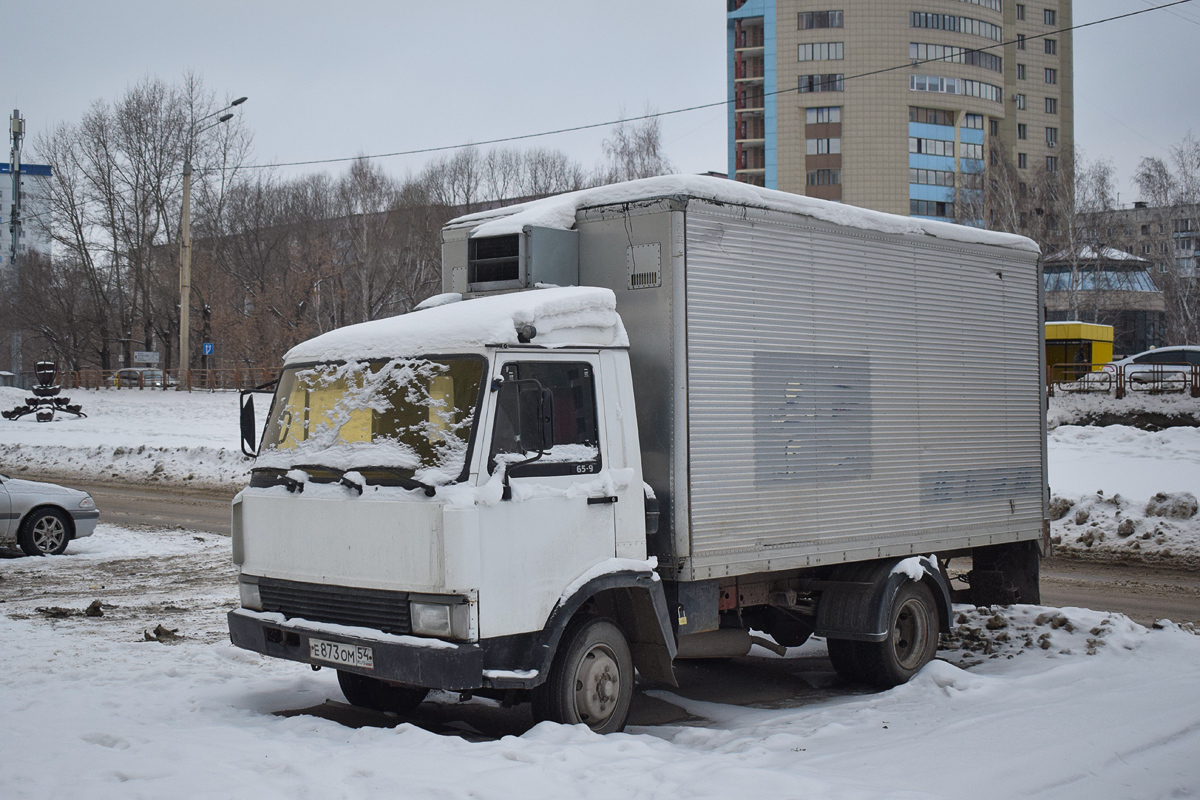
(145,357)
(208,348)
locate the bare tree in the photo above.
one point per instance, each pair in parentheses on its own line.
(635,151)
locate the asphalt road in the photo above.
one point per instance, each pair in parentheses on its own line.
(1143,592)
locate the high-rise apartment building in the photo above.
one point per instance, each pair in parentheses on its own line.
(895,104)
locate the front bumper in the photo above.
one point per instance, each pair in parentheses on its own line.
(428,663)
(85,521)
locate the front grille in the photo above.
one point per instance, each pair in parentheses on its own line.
(342,605)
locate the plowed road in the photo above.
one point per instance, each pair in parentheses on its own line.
(1145,593)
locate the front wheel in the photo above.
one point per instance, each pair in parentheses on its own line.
(45,532)
(911,641)
(591,679)
(372,693)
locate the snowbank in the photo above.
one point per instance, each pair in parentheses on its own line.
(1030,701)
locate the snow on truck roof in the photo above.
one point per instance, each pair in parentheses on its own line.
(559,211)
(583,316)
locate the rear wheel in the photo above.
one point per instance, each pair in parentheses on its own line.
(591,679)
(45,532)
(844,655)
(372,693)
(911,641)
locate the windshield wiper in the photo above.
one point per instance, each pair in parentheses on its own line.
(376,476)
(274,477)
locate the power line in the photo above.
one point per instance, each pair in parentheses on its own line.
(688,109)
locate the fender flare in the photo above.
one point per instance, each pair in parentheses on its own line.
(857,600)
(639,605)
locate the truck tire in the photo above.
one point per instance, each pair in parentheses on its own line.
(45,532)
(591,678)
(372,693)
(911,642)
(844,656)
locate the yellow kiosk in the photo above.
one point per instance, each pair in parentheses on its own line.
(1076,348)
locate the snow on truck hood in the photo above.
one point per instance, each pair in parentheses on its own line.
(568,316)
(559,211)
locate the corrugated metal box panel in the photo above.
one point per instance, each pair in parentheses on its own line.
(853,395)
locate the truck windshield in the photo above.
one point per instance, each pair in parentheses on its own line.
(413,416)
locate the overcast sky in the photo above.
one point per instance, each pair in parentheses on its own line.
(337,79)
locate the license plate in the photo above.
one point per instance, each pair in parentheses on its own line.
(351,655)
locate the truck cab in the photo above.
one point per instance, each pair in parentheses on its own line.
(434,513)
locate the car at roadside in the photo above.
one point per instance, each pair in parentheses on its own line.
(42,518)
(1160,365)
(137,377)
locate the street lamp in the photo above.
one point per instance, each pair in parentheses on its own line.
(185,237)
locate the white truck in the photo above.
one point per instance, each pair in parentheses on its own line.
(642,422)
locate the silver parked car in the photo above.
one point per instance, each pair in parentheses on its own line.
(42,518)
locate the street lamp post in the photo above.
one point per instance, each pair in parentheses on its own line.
(185,239)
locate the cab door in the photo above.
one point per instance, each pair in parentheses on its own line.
(560,519)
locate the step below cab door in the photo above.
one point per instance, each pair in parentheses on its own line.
(559,520)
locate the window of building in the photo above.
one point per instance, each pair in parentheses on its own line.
(930,116)
(1051,46)
(1146,248)
(1020,41)
(973,121)
(1051,105)
(1051,75)
(1052,136)
(821,83)
(1023,219)
(969,150)
(824,177)
(1022,189)
(1020,98)
(930,147)
(950,22)
(1022,130)
(933,83)
(1050,16)
(821,147)
(822,51)
(1183,244)
(930,208)
(931,177)
(1162,247)
(1022,161)
(1020,72)
(994,127)
(820,19)
(1051,163)
(814,116)
(1184,225)
(1020,11)
(955,55)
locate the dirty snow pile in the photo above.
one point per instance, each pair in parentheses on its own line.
(132,435)
(143,696)
(1139,409)
(1125,493)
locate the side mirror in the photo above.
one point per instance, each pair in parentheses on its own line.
(247,421)
(246,418)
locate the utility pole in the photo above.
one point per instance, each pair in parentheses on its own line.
(17,128)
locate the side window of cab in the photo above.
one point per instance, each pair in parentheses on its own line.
(570,388)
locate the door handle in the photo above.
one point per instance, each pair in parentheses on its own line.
(600,501)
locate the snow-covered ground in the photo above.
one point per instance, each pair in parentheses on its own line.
(149,700)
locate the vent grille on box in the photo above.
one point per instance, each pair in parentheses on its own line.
(644,266)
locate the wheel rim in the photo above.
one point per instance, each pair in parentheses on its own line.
(910,634)
(48,533)
(597,686)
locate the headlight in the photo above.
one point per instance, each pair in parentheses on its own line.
(444,620)
(251,599)
(87,502)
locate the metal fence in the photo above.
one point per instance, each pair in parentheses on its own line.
(1079,378)
(206,380)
